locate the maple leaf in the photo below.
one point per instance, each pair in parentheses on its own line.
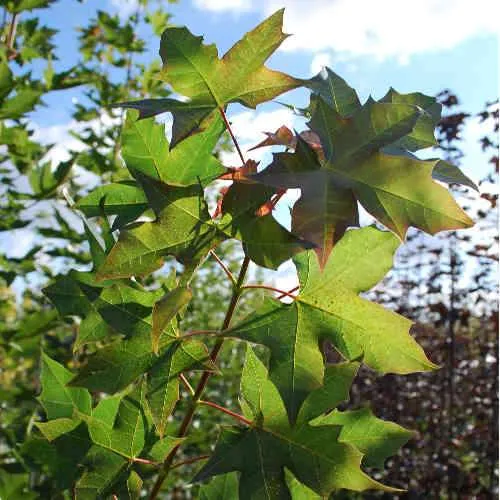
(325,209)
(314,455)
(335,91)
(196,71)
(145,150)
(396,188)
(329,308)
(182,228)
(105,308)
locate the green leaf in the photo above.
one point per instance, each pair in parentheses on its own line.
(337,382)
(451,174)
(125,199)
(397,189)
(325,209)
(119,424)
(165,310)
(24,100)
(60,458)
(335,91)
(17,6)
(118,308)
(131,488)
(195,71)
(377,439)
(298,491)
(58,400)
(422,135)
(6,80)
(443,171)
(120,363)
(44,180)
(329,308)
(145,149)
(183,228)
(15,486)
(162,448)
(102,469)
(261,453)
(220,488)
(163,382)
(56,428)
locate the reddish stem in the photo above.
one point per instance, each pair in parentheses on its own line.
(199,332)
(223,266)
(289,292)
(228,127)
(145,461)
(227,411)
(272,289)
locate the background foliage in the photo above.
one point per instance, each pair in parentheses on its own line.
(447,285)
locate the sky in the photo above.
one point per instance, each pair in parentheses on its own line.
(424,46)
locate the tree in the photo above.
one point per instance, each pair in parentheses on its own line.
(115,420)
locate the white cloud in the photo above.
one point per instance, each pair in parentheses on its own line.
(125,8)
(319,61)
(60,136)
(387,28)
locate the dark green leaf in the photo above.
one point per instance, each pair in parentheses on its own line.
(58,400)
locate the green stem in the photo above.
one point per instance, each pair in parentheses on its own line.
(202,384)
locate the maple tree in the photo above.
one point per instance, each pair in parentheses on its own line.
(108,421)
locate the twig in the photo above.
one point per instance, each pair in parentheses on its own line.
(224,267)
(186,383)
(272,289)
(145,461)
(200,332)
(227,411)
(12,32)
(228,127)
(294,289)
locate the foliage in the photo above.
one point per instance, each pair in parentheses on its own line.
(142,311)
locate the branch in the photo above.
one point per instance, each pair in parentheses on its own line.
(236,416)
(12,34)
(200,388)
